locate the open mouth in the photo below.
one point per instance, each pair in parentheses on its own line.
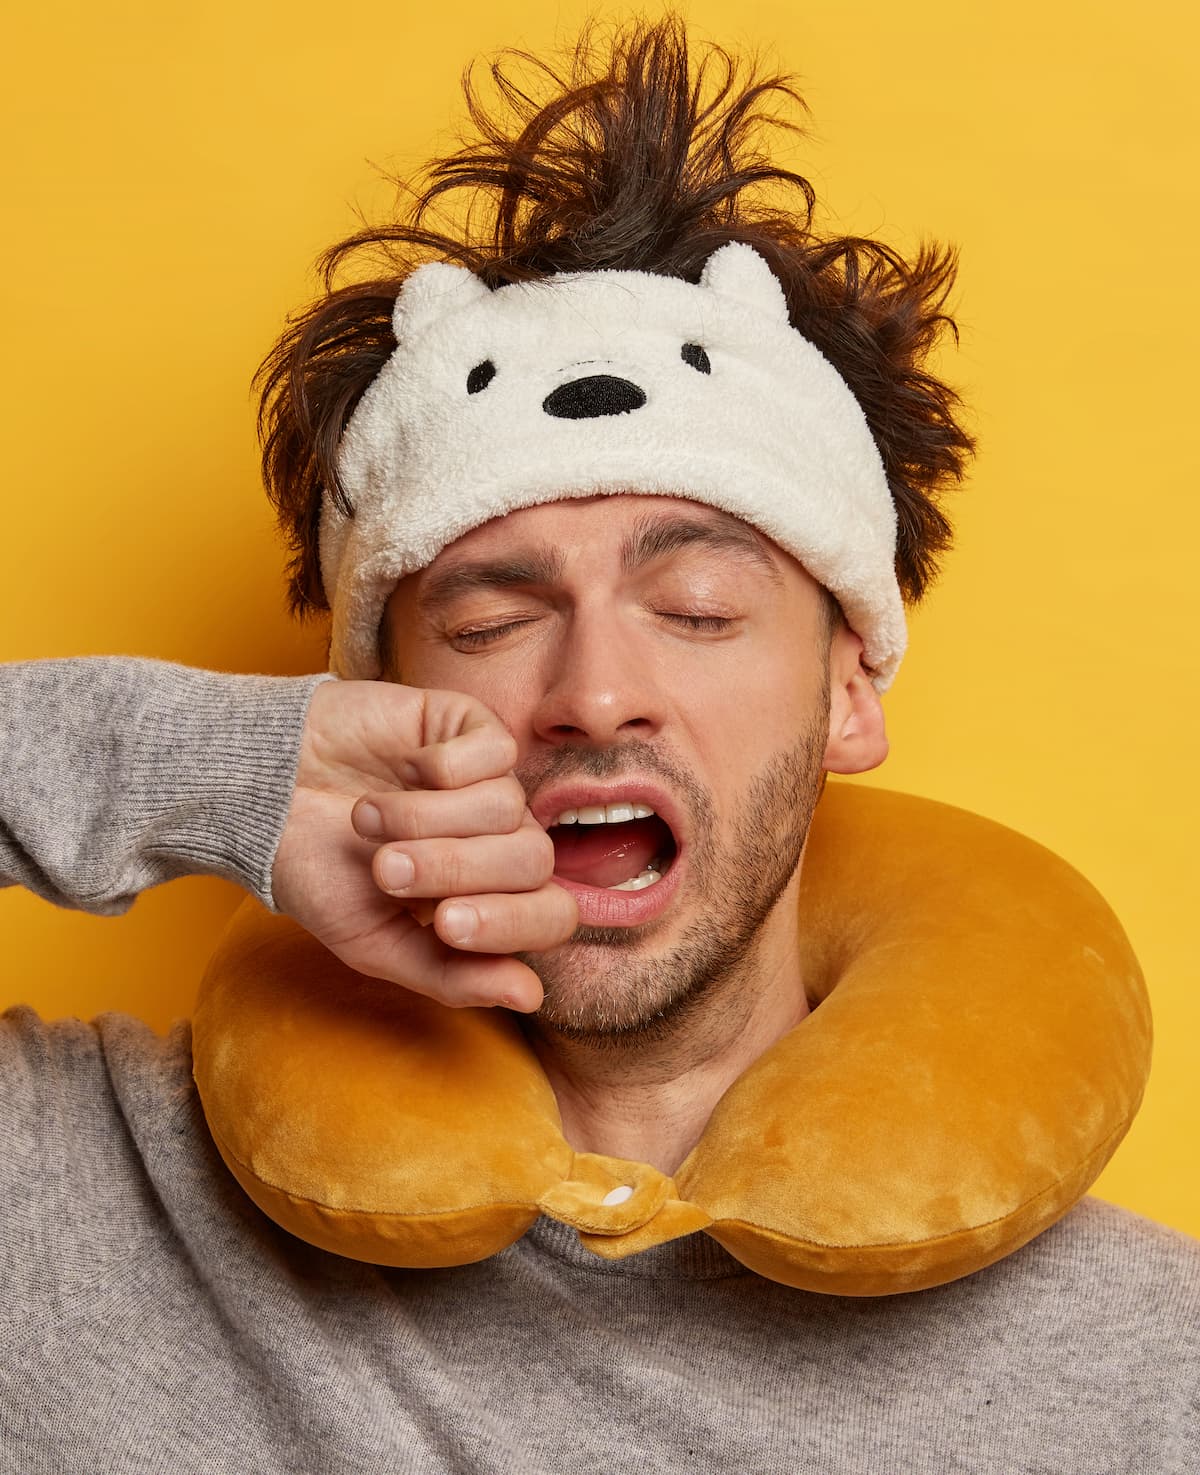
(618,846)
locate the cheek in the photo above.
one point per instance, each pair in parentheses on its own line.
(744,725)
(509,693)
(510,699)
(762,692)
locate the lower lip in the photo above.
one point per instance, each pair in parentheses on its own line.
(599,906)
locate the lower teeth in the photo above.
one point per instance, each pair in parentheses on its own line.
(639,883)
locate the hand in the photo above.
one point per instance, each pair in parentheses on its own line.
(390,771)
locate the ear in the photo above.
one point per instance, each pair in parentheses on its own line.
(430,292)
(738,271)
(857,736)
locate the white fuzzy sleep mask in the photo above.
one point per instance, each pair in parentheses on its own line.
(607,382)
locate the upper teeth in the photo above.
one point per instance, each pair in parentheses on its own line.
(602,814)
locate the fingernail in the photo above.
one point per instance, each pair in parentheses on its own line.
(459,922)
(409,775)
(397,870)
(368,821)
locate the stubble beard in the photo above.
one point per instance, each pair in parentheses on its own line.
(608,987)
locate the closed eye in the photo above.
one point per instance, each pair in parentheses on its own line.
(476,639)
(714,624)
(486,635)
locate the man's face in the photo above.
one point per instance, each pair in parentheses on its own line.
(648,654)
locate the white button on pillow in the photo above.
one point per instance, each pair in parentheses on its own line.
(616,1196)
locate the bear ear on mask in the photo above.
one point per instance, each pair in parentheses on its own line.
(429,294)
(978,1046)
(742,275)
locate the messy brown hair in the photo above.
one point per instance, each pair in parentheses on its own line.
(637,159)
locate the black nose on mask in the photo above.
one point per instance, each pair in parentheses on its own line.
(598,394)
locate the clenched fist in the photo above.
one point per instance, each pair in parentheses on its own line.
(409,850)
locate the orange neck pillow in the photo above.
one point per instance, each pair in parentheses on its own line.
(978,1047)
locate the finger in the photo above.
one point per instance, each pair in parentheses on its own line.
(494,806)
(422,911)
(416,959)
(507,922)
(476,746)
(521,861)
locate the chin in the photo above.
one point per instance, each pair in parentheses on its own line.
(592,992)
(602,988)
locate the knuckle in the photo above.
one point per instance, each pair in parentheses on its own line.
(420,817)
(448,872)
(399,813)
(540,855)
(506,747)
(440,766)
(510,806)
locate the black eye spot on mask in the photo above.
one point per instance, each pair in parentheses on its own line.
(693,354)
(482,375)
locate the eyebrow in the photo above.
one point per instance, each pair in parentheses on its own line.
(652,538)
(533,566)
(655,537)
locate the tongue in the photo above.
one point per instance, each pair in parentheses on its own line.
(605,855)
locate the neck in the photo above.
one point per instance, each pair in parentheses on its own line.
(648,1099)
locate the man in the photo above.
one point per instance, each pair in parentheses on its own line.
(557,663)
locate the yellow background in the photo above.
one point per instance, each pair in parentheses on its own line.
(175,171)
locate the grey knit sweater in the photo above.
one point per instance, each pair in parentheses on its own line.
(152,1320)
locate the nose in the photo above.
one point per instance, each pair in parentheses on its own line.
(600,687)
(592,396)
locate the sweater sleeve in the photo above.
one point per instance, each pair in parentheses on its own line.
(119,773)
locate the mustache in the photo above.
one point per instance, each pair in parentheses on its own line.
(569,761)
